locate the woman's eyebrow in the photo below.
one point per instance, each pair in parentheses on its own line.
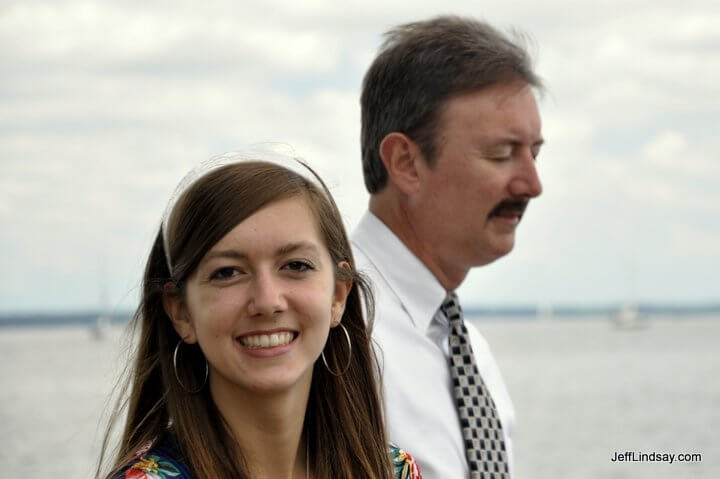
(281,251)
(292,247)
(227,253)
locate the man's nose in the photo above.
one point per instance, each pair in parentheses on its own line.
(526,182)
(267,295)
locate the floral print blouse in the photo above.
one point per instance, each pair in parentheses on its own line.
(160,463)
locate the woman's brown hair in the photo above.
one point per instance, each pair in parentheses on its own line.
(343,428)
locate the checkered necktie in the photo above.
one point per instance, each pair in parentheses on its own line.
(481,428)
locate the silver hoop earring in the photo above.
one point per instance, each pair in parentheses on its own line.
(347,366)
(177,376)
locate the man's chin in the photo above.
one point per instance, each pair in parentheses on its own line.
(502,246)
(493,252)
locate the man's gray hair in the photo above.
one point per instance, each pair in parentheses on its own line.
(419,67)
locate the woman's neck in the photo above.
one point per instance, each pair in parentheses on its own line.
(268,429)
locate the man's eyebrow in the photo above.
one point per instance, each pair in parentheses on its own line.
(514,141)
(536,144)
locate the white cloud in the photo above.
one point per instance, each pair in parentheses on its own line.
(107,104)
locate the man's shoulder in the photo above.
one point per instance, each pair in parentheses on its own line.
(406,292)
(373,270)
(373,242)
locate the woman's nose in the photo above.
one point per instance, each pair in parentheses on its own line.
(267,296)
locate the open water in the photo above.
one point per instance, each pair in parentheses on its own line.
(584,390)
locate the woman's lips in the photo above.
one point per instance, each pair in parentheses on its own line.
(267,343)
(267,340)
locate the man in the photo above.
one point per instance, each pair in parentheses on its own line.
(450,133)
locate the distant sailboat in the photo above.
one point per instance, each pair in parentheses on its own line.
(100,329)
(628,317)
(545,312)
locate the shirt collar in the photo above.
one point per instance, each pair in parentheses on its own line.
(419,292)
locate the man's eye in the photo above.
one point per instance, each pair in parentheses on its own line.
(226,272)
(499,159)
(299,266)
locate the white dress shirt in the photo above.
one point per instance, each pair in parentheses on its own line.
(411,335)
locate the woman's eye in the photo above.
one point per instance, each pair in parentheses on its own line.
(299,266)
(225,273)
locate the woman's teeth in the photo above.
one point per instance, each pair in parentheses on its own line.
(267,340)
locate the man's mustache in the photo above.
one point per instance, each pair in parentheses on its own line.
(516,206)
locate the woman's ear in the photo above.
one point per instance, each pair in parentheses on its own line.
(174,307)
(343,285)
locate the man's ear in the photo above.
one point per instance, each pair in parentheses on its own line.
(343,285)
(400,155)
(174,307)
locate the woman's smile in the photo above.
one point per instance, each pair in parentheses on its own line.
(267,344)
(267,340)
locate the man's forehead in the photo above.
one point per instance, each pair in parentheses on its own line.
(504,115)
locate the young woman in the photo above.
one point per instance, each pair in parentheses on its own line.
(253,359)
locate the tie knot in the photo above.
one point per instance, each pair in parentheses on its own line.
(451,307)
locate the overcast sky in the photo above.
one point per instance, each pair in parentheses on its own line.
(105,105)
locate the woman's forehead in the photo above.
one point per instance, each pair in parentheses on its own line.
(288,224)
